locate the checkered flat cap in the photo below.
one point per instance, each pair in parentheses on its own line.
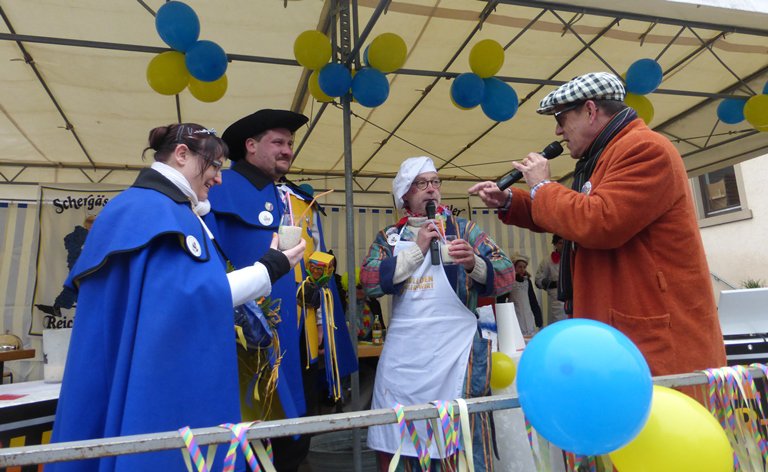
(592,86)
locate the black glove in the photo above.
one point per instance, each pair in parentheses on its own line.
(311,295)
(551,285)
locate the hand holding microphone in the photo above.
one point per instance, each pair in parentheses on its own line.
(494,194)
(552,150)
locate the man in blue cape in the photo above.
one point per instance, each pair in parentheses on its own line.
(246,210)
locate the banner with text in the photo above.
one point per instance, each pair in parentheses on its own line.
(66,216)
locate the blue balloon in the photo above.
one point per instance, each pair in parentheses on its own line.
(765,89)
(731,110)
(178,25)
(308,189)
(334,79)
(584,386)
(467,90)
(499,100)
(365,56)
(206,61)
(370,87)
(643,76)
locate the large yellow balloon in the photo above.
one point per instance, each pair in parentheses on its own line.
(312,49)
(756,111)
(503,370)
(486,58)
(315,90)
(642,106)
(680,436)
(387,52)
(167,74)
(208,91)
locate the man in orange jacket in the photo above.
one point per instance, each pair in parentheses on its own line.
(633,256)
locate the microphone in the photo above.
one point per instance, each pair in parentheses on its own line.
(552,150)
(434,248)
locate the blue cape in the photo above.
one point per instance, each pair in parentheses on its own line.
(152,347)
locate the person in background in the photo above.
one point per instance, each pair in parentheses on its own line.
(154,297)
(523,296)
(433,349)
(546,278)
(247,209)
(632,256)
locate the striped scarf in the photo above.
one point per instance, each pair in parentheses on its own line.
(584,168)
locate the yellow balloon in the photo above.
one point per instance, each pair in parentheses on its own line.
(312,49)
(680,435)
(503,370)
(167,74)
(642,106)
(486,58)
(387,52)
(315,90)
(756,111)
(208,91)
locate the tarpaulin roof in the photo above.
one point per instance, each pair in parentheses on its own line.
(75,105)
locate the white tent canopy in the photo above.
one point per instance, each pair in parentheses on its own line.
(75,106)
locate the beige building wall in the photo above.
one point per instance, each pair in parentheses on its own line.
(738,250)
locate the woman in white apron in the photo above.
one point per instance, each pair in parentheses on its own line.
(433,350)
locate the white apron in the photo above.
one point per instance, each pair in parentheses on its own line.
(425,354)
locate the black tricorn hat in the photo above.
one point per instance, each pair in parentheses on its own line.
(257,123)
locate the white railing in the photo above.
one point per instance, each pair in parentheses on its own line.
(77,450)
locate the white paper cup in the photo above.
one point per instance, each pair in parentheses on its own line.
(289,237)
(447,259)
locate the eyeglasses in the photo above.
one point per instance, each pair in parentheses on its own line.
(559,115)
(422,184)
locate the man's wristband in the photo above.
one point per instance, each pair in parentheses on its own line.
(536,187)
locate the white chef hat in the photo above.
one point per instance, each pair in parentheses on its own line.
(409,170)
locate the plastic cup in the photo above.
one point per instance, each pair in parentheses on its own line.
(289,237)
(447,259)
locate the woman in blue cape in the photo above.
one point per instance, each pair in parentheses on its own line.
(152,347)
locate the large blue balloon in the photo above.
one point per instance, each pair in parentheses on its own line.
(643,76)
(370,87)
(499,100)
(206,61)
(731,110)
(584,386)
(467,90)
(178,25)
(334,79)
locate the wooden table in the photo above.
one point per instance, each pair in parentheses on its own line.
(369,350)
(14,355)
